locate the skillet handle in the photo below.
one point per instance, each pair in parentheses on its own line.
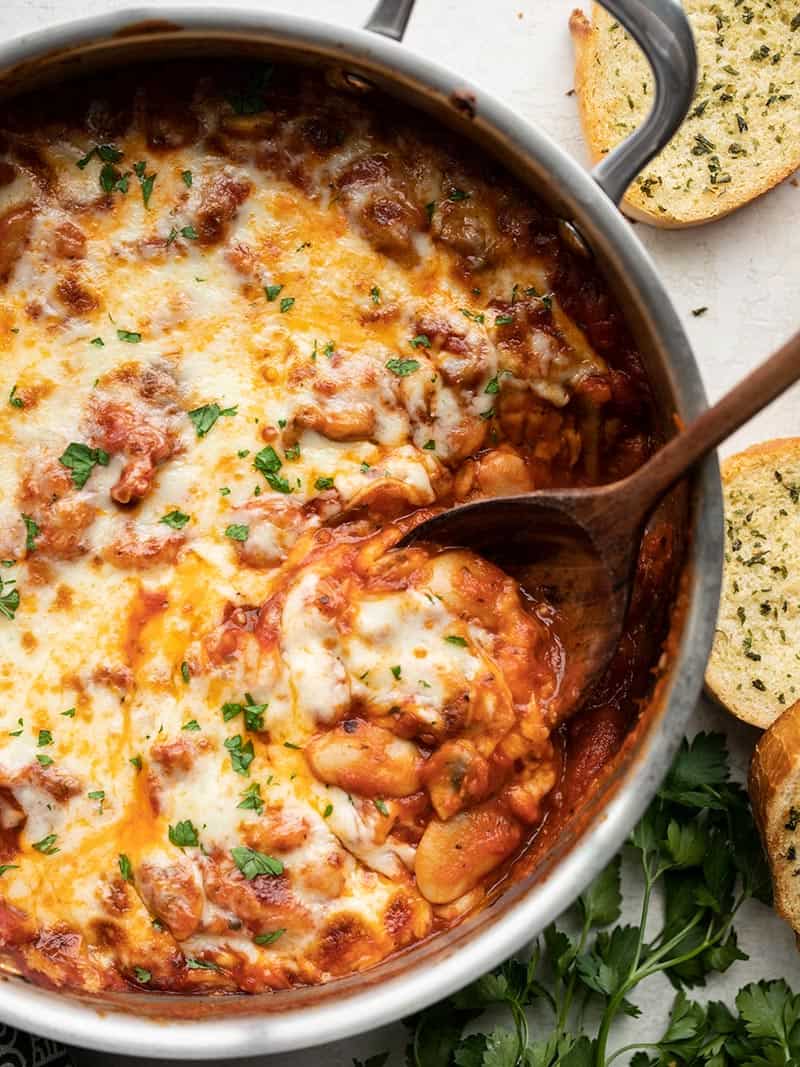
(662,30)
(390,18)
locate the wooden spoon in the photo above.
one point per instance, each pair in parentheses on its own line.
(577,548)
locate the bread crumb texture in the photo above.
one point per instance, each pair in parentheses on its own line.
(754,668)
(742,134)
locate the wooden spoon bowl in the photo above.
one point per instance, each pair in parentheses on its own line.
(577,548)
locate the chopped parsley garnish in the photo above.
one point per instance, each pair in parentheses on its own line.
(32,531)
(323,483)
(270,938)
(111,180)
(242,755)
(272,292)
(16,733)
(458,194)
(204,418)
(147,181)
(475,316)
(286,304)
(9,597)
(237,531)
(253,713)
(329,349)
(44,761)
(201,965)
(192,725)
(189,232)
(396,671)
(47,846)
(175,519)
(252,799)
(142,975)
(185,672)
(381,806)
(136,761)
(45,738)
(402,367)
(14,400)
(454,639)
(100,795)
(493,385)
(107,153)
(291,744)
(421,340)
(303,245)
(328,811)
(81,461)
(8,867)
(430,446)
(292,453)
(375,294)
(430,207)
(184,834)
(224,491)
(252,863)
(132,337)
(69,713)
(125,867)
(98,342)
(503,320)
(268,462)
(186,176)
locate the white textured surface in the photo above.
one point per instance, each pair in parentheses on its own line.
(745,269)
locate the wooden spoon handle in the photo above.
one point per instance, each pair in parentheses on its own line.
(744,401)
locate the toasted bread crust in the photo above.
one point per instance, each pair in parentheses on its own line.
(601,94)
(773,785)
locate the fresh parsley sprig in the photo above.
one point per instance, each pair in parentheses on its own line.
(698,848)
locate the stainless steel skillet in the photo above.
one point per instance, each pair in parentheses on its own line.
(218,1028)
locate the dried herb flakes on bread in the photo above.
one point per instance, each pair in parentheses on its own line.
(742,134)
(754,669)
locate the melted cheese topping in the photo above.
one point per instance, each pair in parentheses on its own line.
(242,747)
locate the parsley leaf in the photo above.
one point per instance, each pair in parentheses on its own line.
(47,845)
(184,834)
(242,754)
(125,867)
(268,462)
(402,367)
(269,938)
(81,460)
(252,799)
(32,531)
(204,418)
(252,863)
(175,519)
(237,532)
(131,336)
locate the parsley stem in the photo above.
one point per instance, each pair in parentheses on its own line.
(629,1048)
(566,1004)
